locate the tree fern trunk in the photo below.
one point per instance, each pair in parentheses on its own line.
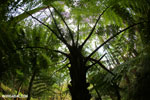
(78,87)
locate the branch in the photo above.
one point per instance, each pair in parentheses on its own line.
(62,61)
(58,29)
(44,25)
(91,59)
(93,28)
(78,29)
(61,52)
(114,37)
(96,61)
(45,48)
(70,32)
(25,15)
(60,69)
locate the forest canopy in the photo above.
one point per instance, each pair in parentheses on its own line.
(74,49)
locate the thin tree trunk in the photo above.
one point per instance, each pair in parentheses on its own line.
(33,75)
(30,85)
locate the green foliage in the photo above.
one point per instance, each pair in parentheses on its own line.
(42,85)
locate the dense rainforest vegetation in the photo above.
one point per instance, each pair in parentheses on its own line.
(74,49)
